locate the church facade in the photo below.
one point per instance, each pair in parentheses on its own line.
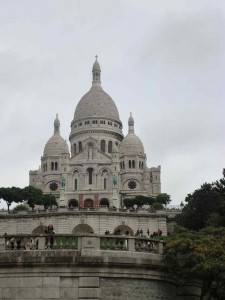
(102,166)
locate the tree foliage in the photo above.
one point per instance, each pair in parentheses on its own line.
(49,201)
(204,207)
(199,249)
(31,195)
(160,200)
(163,198)
(199,254)
(20,207)
(10,195)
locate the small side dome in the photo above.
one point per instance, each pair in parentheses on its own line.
(56,144)
(66,148)
(131,144)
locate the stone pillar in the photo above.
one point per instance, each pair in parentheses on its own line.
(96,200)
(41,243)
(2,243)
(62,195)
(81,200)
(115,192)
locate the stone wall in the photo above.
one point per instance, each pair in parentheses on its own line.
(65,222)
(88,274)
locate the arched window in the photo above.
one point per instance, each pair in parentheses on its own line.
(123,165)
(139,165)
(105,184)
(133,164)
(75,184)
(74,149)
(80,146)
(102,145)
(90,175)
(52,166)
(142,165)
(56,166)
(129,164)
(110,147)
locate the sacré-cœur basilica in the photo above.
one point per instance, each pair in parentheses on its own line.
(102,166)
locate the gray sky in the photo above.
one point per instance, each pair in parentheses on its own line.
(162,60)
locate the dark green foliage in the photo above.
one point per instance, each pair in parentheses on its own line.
(157,206)
(199,254)
(205,207)
(20,207)
(49,201)
(10,195)
(139,201)
(163,198)
(33,196)
(158,201)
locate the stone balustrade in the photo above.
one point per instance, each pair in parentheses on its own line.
(80,242)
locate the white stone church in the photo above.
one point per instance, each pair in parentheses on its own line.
(103,167)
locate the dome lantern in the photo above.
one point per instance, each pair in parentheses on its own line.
(96,72)
(131,124)
(56,125)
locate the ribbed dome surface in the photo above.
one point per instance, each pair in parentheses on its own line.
(96,103)
(56,145)
(131,145)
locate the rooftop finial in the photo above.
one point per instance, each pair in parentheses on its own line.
(96,72)
(56,124)
(131,123)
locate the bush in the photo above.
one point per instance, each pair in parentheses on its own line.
(20,207)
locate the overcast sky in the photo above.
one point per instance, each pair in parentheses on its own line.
(162,60)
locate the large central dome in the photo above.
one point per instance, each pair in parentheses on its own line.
(96,103)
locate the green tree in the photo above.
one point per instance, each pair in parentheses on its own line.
(139,201)
(163,198)
(33,196)
(20,207)
(199,254)
(49,201)
(10,195)
(205,205)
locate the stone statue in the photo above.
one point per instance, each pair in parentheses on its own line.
(63,181)
(114,180)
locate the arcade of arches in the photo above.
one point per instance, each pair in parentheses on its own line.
(85,228)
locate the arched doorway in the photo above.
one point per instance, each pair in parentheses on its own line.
(88,203)
(123,229)
(82,228)
(39,230)
(72,203)
(104,202)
